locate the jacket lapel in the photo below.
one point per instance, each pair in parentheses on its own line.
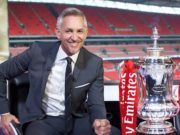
(79,64)
(49,63)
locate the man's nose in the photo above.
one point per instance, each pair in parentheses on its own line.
(74,36)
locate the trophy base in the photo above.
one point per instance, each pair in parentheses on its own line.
(175,133)
(153,128)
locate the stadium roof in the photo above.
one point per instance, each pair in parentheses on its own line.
(166,3)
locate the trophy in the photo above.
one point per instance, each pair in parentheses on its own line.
(155,80)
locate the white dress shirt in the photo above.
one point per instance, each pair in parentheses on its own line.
(53,101)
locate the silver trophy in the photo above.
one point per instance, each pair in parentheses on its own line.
(156,102)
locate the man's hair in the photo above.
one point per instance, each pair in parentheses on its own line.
(70,12)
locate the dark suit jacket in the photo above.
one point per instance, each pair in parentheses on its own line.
(38,60)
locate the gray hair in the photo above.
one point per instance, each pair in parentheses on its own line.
(70,12)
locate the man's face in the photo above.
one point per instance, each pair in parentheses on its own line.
(72,34)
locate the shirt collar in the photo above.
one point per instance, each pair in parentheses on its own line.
(61,55)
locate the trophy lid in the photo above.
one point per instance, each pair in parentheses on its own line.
(154,53)
(155,50)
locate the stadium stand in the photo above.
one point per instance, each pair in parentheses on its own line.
(101,21)
(15,29)
(106,51)
(27,19)
(42,12)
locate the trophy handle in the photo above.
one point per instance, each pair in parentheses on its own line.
(176,122)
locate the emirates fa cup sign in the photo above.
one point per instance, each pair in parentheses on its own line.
(128,96)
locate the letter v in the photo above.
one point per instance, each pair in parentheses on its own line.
(130,130)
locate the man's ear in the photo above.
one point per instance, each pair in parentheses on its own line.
(86,32)
(57,32)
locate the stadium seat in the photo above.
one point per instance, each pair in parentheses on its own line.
(28,18)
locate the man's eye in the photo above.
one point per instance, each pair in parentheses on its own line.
(68,31)
(81,31)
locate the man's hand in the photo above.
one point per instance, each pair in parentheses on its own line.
(102,127)
(5,121)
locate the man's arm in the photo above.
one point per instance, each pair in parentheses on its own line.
(5,116)
(3,95)
(96,103)
(8,70)
(97,110)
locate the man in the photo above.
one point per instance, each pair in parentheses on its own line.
(45,111)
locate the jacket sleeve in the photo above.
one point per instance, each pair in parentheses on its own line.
(9,69)
(96,96)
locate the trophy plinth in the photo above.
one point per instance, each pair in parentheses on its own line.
(156,103)
(156,128)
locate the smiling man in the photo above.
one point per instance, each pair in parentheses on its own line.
(57,103)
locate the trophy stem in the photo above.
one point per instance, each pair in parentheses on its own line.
(156,128)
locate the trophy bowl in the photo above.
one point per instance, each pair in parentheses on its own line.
(156,103)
